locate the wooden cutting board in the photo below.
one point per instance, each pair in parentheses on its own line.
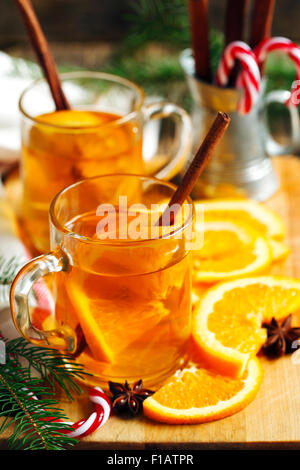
(272,420)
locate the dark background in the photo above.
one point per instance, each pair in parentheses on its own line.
(102,20)
(129,38)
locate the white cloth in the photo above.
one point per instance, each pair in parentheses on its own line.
(12,251)
(10,248)
(15,76)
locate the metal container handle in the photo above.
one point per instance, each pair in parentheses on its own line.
(272,146)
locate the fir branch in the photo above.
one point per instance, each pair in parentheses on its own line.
(165,22)
(4,296)
(9,268)
(52,366)
(158,20)
(34,421)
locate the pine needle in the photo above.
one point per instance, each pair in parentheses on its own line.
(34,422)
(52,366)
(8,270)
(32,429)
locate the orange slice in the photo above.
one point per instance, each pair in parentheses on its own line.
(230,250)
(111,324)
(136,360)
(246,211)
(198,395)
(198,291)
(227,321)
(75,118)
(279,250)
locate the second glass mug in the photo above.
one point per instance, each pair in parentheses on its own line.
(122,306)
(104,137)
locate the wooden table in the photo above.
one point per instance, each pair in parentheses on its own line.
(272,420)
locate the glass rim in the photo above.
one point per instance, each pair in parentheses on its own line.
(87,74)
(121,243)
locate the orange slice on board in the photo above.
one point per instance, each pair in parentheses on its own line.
(258,216)
(230,250)
(279,250)
(198,395)
(198,291)
(227,320)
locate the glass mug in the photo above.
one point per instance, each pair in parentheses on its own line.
(122,304)
(101,134)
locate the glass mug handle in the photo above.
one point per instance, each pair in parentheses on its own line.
(162,110)
(272,146)
(62,338)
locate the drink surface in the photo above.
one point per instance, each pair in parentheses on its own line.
(63,147)
(131,304)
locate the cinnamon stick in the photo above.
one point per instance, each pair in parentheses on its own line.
(42,50)
(235,19)
(195,169)
(198,11)
(262,18)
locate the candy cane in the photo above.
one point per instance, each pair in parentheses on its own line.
(250,95)
(98,418)
(249,78)
(84,427)
(288,47)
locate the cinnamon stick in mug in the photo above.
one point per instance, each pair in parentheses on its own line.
(42,50)
(195,169)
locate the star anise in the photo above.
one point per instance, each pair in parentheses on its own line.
(282,338)
(125,398)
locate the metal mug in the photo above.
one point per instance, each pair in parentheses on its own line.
(241,165)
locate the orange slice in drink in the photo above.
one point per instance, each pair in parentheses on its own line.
(111,324)
(198,395)
(227,321)
(152,355)
(75,118)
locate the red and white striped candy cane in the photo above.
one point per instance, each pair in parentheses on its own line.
(249,78)
(84,427)
(288,47)
(100,415)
